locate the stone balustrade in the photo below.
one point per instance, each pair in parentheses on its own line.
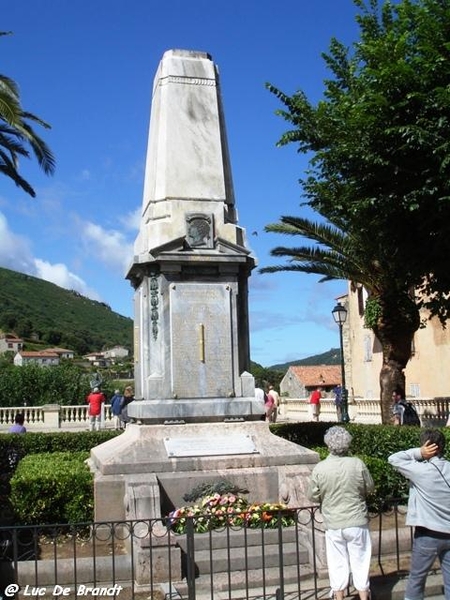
(432,411)
(53,417)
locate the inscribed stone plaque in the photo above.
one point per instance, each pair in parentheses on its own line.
(217,446)
(201,331)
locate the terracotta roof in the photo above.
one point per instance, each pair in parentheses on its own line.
(36,354)
(317,375)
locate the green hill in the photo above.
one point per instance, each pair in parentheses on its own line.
(37,310)
(331,357)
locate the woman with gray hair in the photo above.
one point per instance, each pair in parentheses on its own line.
(341,484)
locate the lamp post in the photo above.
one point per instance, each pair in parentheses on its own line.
(339,313)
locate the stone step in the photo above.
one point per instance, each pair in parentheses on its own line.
(241,537)
(221,560)
(261,584)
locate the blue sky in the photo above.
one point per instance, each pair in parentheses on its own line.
(87,68)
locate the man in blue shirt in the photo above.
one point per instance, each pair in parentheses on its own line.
(428,509)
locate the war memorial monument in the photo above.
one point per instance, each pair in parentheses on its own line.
(195,417)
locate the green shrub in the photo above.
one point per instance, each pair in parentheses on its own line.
(373,444)
(377,441)
(52,488)
(37,443)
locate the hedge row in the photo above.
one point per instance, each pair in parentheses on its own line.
(376,441)
(15,447)
(53,484)
(38,460)
(373,444)
(53,488)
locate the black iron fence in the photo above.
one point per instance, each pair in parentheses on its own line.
(280,555)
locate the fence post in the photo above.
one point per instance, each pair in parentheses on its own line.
(50,414)
(190,558)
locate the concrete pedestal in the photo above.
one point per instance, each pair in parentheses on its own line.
(136,478)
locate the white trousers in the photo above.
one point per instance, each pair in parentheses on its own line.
(94,422)
(348,550)
(314,412)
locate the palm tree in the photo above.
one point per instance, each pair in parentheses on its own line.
(391,311)
(17,136)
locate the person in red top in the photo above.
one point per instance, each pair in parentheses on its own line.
(314,403)
(95,400)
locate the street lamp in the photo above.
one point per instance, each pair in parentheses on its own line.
(339,313)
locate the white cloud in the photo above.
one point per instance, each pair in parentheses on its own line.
(132,220)
(16,254)
(108,246)
(60,275)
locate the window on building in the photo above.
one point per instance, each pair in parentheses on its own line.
(367,348)
(414,390)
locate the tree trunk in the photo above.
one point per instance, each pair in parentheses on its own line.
(397,322)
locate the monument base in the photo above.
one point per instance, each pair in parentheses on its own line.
(145,472)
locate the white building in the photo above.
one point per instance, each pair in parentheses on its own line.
(62,352)
(10,343)
(426,371)
(42,358)
(117,352)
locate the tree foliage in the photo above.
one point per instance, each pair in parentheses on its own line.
(266,376)
(379,171)
(32,307)
(17,136)
(33,385)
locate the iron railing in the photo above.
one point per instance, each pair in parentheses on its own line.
(147,560)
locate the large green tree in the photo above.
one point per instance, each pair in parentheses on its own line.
(17,136)
(379,172)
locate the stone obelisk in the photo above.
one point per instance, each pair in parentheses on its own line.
(195,417)
(191,262)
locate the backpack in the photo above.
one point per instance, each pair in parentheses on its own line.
(410,416)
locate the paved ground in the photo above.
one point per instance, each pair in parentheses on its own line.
(393,588)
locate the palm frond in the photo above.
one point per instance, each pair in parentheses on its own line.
(41,150)
(335,254)
(8,168)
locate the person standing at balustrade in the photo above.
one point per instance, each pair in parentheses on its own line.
(128,397)
(95,400)
(272,393)
(116,408)
(18,426)
(314,403)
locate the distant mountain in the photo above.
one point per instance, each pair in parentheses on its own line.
(332,357)
(39,311)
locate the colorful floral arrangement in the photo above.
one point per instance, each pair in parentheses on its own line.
(230,510)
